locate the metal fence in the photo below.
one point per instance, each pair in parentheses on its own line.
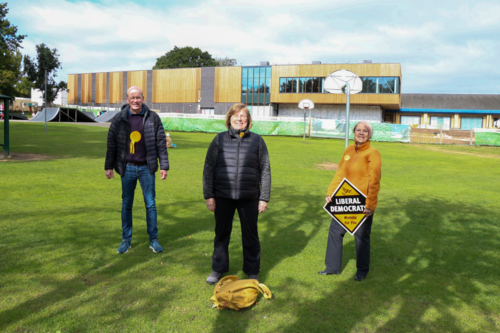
(441,136)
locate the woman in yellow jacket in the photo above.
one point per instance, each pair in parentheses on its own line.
(361,165)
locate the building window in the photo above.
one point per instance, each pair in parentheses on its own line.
(441,122)
(282,84)
(469,123)
(289,85)
(295,87)
(256,85)
(315,85)
(410,120)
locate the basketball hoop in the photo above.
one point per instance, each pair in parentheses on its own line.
(306,104)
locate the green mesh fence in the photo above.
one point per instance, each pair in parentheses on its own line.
(487,138)
(194,125)
(278,128)
(218,125)
(329,128)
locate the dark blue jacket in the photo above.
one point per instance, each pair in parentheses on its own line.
(154,137)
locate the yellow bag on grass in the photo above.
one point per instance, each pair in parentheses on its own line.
(238,294)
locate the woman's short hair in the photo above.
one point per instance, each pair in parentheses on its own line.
(368,127)
(235,109)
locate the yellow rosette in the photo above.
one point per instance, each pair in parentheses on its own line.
(347,157)
(134,137)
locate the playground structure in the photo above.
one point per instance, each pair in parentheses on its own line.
(6,134)
(106,116)
(67,115)
(17,116)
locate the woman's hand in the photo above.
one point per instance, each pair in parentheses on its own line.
(368,211)
(262,206)
(328,199)
(211,204)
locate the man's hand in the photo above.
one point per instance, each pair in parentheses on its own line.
(109,174)
(262,206)
(211,204)
(328,199)
(163,174)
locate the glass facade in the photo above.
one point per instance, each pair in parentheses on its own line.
(410,120)
(469,123)
(315,85)
(441,122)
(256,85)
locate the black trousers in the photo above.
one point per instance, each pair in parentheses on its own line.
(248,210)
(333,260)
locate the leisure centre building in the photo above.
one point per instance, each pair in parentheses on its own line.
(276,90)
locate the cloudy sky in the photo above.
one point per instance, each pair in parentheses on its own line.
(443,46)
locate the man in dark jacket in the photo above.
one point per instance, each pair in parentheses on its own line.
(136,141)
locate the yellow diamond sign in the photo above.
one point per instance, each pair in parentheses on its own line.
(347,206)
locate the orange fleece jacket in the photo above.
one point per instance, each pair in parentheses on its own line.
(361,167)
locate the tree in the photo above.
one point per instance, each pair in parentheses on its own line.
(23,87)
(185,57)
(225,62)
(10,58)
(46,59)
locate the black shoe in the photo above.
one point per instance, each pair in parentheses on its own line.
(359,278)
(214,277)
(254,276)
(326,273)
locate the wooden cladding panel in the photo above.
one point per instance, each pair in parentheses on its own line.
(388,101)
(116,87)
(176,85)
(73,88)
(86,89)
(139,79)
(100,88)
(227,85)
(324,70)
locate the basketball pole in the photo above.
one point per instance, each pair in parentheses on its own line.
(305,110)
(348,94)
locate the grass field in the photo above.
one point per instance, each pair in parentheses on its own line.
(435,242)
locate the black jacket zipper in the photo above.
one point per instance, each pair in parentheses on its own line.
(238,163)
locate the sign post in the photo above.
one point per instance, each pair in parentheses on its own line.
(347,106)
(45,101)
(306,104)
(347,206)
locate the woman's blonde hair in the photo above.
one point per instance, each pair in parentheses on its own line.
(368,127)
(235,109)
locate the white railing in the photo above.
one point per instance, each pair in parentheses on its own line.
(487,130)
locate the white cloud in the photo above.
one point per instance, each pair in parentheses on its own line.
(474,15)
(125,36)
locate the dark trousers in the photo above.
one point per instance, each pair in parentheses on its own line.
(333,260)
(248,210)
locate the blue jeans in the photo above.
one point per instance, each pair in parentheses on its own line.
(129,182)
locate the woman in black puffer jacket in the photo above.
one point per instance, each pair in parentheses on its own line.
(237,176)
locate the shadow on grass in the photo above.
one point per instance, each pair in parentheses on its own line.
(430,258)
(103,280)
(421,276)
(284,237)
